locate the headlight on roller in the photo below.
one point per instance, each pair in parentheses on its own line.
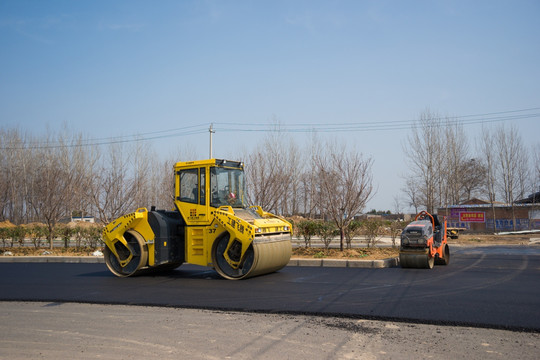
(404,240)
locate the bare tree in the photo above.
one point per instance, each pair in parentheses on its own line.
(263,180)
(511,160)
(456,151)
(294,169)
(437,151)
(412,193)
(487,151)
(309,181)
(308,190)
(140,159)
(82,160)
(273,172)
(55,181)
(15,160)
(161,184)
(345,185)
(423,152)
(112,189)
(473,174)
(524,174)
(535,177)
(536,169)
(397,204)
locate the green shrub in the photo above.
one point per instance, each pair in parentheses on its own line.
(307,229)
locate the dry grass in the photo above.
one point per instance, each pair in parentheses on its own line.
(356,253)
(306,253)
(486,239)
(31,251)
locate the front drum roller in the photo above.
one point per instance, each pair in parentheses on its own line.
(262,257)
(136,248)
(416,260)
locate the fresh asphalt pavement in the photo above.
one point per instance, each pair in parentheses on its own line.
(484,305)
(491,288)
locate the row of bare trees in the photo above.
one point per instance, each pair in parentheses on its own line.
(327,181)
(444,169)
(47,179)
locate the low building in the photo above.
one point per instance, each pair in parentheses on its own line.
(478,215)
(87,219)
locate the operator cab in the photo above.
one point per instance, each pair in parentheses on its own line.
(205,185)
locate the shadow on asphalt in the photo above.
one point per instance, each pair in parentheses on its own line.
(179,273)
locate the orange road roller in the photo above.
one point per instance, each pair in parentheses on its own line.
(424,242)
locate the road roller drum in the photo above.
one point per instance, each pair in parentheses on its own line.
(420,260)
(263,256)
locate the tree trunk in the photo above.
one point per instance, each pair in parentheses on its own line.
(50,236)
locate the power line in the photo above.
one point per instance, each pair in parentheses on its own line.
(105,141)
(388,125)
(447,121)
(382,125)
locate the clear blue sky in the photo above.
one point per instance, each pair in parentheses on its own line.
(111,68)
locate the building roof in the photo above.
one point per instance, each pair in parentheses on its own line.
(531,199)
(475,201)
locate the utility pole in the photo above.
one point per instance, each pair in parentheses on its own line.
(212,131)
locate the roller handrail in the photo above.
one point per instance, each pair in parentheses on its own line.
(422,213)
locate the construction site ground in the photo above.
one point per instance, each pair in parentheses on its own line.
(384,247)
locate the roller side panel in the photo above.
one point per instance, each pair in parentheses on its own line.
(169,241)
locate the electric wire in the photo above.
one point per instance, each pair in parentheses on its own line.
(368,126)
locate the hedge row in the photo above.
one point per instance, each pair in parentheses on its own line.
(79,235)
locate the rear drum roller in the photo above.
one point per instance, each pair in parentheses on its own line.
(262,257)
(136,247)
(446,259)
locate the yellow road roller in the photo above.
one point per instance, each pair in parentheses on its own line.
(424,242)
(210,226)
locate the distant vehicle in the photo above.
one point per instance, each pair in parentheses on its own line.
(424,242)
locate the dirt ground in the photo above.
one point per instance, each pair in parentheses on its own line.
(490,239)
(385,252)
(317,253)
(43,251)
(355,253)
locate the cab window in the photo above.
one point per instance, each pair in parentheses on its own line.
(203,184)
(189,185)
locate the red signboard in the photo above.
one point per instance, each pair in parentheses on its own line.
(472,216)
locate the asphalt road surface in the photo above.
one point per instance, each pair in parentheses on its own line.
(481,290)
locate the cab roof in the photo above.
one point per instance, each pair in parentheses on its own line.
(215,162)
